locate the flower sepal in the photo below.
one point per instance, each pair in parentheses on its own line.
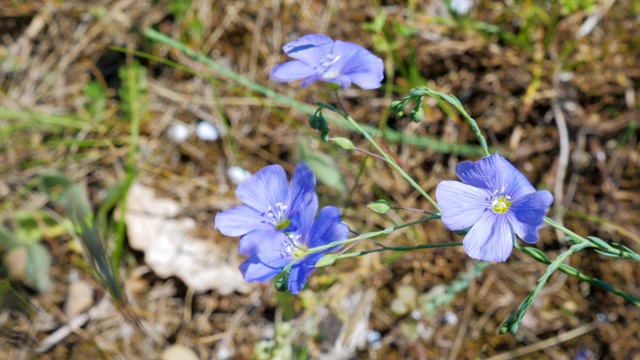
(282,282)
(327,260)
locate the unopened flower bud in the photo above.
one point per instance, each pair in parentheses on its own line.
(416,114)
(379,206)
(344,143)
(328,259)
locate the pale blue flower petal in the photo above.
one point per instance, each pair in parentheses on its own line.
(300,272)
(473,175)
(495,173)
(327,228)
(362,67)
(366,79)
(497,202)
(264,189)
(270,207)
(263,268)
(259,240)
(313,55)
(462,205)
(291,71)
(339,62)
(343,81)
(310,80)
(239,221)
(528,214)
(490,239)
(302,195)
(306,42)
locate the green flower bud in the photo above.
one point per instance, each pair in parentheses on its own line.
(317,121)
(344,143)
(328,259)
(416,114)
(379,206)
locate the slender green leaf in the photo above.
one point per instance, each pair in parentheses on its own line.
(8,239)
(38,267)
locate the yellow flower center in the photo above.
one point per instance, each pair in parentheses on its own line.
(299,251)
(283,224)
(501,204)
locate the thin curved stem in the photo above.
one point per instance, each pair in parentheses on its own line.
(393,163)
(563,229)
(600,245)
(397,248)
(370,154)
(569,270)
(372,234)
(388,158)
(361,237)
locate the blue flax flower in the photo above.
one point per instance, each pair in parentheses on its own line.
(271,207)
(318,57)
(291,246)
(496,201)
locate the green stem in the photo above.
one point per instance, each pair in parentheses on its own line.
(569,270)
(424,90)
(364,236)
(370,154)
(563,229)
(476,130)
(131,170)
(601,245)
(397,248)
(513,322)
(391,161)
(372,234)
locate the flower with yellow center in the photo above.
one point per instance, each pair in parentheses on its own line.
(494,201)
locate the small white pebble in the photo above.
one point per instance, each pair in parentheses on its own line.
(566,76)
(451,318)
(269,332)
(416,314)
(178,352)
(207,132)
(178,132)
(224,353)
(237,174)
(425,332)
(461,7)
(373,337)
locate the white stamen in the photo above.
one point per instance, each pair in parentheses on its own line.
(293,244)
(276,215)
(326,66)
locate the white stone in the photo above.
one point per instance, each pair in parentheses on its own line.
(237,174)
(461,7)
(207,132)
(178,132)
